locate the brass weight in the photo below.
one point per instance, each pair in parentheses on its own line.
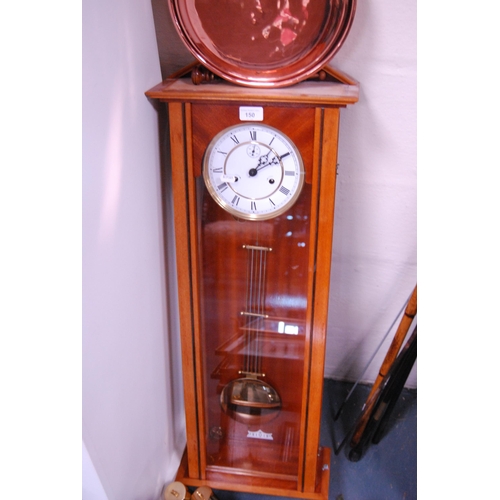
(203,493)
(176,491)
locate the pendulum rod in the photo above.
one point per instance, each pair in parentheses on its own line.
(255,306)
(249,399)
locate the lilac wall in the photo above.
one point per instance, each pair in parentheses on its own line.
(133,425)
(374,264)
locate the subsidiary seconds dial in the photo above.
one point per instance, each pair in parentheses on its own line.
(253,171)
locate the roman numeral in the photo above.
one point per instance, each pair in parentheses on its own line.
(222,187)
(218,170)
(235,200)
(253,206)
(290,172)
(272,202)
(221,152)
(253,135)
(284,190)
(234,139)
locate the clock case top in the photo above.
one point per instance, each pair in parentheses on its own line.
(328,87)
(309,114)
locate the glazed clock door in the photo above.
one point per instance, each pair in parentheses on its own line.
(254,287)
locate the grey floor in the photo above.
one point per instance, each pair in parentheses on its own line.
(385,471)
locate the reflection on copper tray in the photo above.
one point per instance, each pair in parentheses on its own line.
(266,43)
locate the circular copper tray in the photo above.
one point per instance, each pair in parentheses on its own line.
(263,43)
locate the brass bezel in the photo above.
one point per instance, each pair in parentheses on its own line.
(234,210)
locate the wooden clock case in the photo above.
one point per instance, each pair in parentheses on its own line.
(221,450)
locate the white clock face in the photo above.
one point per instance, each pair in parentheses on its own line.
(253,171)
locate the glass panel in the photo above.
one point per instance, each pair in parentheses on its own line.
(254,290)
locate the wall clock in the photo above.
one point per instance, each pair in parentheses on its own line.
(253,180)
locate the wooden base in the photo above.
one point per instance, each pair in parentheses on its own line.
(261,485)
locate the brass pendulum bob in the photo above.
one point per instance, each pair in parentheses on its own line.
(248,399)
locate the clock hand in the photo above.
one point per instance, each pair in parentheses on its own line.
(275,161)
(263,160)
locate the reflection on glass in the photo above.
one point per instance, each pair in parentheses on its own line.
(253,329)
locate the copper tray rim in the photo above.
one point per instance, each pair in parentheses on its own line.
(277,76)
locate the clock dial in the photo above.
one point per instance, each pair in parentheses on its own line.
(253,171)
